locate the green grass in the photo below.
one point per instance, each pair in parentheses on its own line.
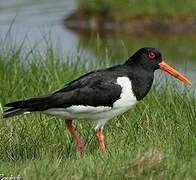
(154,140)
(126,8)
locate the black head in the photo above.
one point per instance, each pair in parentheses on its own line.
(148,57)
(151,59)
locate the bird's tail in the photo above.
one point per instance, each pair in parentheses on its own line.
(14,112)
(27,106)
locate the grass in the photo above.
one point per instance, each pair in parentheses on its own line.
(122,9)
(154,140)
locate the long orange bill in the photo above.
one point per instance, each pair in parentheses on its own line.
(165,67)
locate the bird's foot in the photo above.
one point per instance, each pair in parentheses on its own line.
(80,146)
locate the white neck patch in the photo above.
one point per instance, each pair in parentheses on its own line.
(127,97)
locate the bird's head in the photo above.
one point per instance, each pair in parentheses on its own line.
(151,59)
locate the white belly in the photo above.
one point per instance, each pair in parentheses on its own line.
(101,114)
(87,112)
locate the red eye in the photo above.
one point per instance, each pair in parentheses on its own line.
(151,55)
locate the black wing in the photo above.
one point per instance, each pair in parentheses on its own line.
(96,93)
(93,89)
(97,88)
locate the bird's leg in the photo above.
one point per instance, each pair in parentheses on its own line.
(74,135)
(100,139)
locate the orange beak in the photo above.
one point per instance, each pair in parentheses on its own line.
(165,67)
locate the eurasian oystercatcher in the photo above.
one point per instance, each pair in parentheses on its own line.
(99,95)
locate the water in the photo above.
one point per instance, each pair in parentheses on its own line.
(36,21)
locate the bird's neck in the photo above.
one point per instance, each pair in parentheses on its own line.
(141,79)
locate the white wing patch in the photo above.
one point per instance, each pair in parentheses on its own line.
(88,109)
(80,112)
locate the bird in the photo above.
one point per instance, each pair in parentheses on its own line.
(99,95)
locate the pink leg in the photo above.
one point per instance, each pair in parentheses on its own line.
(74,135)
(100,139)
